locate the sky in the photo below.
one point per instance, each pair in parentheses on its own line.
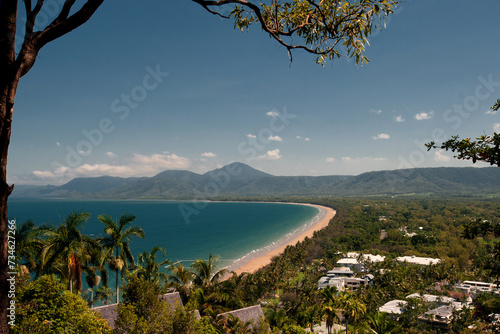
(154,85)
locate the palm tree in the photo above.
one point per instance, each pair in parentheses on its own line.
(118,240)
(379,324)
(353,308)
(95,263)
(147,267)
(205,272)
(69,246)
(181,279)
(28,245)
(330,303)
(104,294)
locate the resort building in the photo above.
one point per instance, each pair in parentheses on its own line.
(440,317)
(395,306)
(475,286)
(252,314)
(425,261)
(357,261)
(342,278)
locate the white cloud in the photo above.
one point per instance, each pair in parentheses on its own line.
(208,155)
(306,139)
(58,143)
(381,136)
(275,138)
(496,127)
(111,154)
(251,135)
(492,112)
(376,112)
(270,155)
(424,115)
(399,119)
(137,165)
(330,159)
(439,156)
(273,113)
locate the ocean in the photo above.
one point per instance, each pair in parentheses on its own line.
(235,231)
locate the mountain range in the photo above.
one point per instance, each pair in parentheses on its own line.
(240,180)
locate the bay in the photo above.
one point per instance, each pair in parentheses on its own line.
(235,231)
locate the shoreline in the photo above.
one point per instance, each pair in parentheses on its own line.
(254,264)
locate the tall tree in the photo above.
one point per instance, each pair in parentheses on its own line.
(206,273)
(182,280)
(28,245)
(67,244)
(328,28)
(95,271)
(118,241)
(148,268)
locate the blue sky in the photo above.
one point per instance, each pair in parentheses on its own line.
(149,86)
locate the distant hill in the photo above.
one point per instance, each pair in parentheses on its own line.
(238,179)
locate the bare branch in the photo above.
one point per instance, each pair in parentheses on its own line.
(31,15)
(62,25)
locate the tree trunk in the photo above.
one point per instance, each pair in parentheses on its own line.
(8,86)
(117,287)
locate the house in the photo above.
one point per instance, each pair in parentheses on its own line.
(110,312)
(343,277)
(476,286)
(251,314)
(440,317)
(395,306)
(425,261)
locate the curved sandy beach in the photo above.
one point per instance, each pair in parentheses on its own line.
(254,264)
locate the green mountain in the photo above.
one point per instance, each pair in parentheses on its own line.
(238,179)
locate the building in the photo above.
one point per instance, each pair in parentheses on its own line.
(342,278)
(395,306)
(476,286)
(110,313)
(252,314)
(357,261)
(425,261)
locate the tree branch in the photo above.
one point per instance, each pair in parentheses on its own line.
(62,25)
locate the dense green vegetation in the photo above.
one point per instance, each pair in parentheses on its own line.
(462,232)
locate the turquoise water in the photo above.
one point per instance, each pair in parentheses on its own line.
(231,230)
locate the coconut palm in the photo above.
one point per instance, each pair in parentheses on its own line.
(28,246)
(205,272)
(104,294)
(353,308)
(181,279)
(118,239)
(65,247)
(380,324)
(148,269)
(96,271)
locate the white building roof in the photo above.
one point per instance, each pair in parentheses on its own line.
(366,257)
(394,306)
(418,260)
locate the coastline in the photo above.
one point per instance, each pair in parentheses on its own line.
(323,219)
